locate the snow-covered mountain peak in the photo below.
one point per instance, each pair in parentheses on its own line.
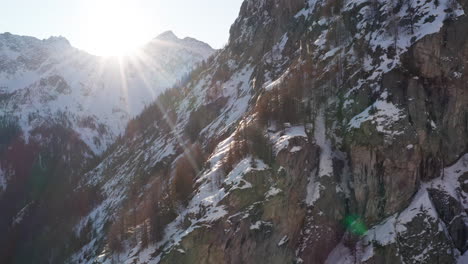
(168,36)
(23,42)
(57,41)
(41,79)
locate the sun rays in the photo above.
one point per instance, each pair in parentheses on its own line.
(113,27)
(114,30)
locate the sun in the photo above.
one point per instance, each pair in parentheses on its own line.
(113,27)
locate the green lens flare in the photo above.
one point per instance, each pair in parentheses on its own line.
(355,225)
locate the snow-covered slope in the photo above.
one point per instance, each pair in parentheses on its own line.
(343,145)
(48,80)
(324,132)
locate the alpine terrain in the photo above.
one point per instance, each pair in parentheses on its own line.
(325,131)
(60,108)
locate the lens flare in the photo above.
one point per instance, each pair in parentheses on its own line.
(355,225)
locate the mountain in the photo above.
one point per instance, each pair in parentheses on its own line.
(324,132)
(60,109)
(49,81)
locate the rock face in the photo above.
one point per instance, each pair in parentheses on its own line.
(325,132)
(333,132)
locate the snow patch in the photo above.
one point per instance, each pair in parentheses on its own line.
(296,149)
(273,191)
(283,241)
(281,138)
(383,114)
(326,153)
(259,224)
(235,177)
(307,11)
(20,215)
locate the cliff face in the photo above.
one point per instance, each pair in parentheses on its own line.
(332,132)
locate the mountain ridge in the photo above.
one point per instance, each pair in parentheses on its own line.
(60,109)
(29,63)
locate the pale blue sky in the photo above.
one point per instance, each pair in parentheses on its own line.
(95,25)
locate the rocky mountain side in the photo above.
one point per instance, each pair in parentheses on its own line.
(324,132)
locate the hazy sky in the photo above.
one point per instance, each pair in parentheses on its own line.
(104,27)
